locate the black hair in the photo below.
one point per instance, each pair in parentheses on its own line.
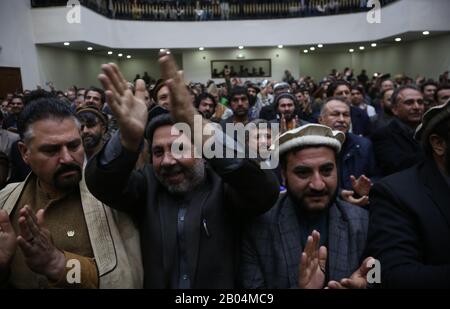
(99,90)
(429,82)
(441,87)
(237,90)
(41,109)
(203,96)
(333,86)
(397,91)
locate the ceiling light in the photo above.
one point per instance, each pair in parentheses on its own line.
(168,52)
(320,45)
(161,49)
(66,43)
(374,45)
(312,48)
(362,48)
(89,48)
(110,53)
(306,51)
(120,55)
(426,32)
(351,50)
(398,39)
(241,47)
(128,57)
(280,46)
(201,48)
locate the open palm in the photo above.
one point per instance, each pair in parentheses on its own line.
(130,110)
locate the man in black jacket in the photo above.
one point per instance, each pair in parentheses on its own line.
(394,145)
(189,213)
(409,227)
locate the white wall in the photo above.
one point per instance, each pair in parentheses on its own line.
(199,70)
(50,26)
(429,57)
(17,40)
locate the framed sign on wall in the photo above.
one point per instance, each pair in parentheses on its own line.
(241,68)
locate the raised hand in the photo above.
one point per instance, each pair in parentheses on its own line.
(8,242)
(129,110)
(35,241)
(182,109)
(358,280)
(361,185)
(312,264)
(348,196)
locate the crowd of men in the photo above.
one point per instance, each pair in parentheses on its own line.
(90,175)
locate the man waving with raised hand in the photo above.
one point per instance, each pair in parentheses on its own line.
(190,209)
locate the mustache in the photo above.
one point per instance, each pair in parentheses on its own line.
(315,193)
(169,171)
(64,168)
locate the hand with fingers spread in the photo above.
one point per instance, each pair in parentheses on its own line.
(349,197)
(36,243)
(182,108)
(8,243)
(358,280)
(361,185)
(129,110)
(312,264)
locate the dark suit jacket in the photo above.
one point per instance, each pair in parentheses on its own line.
(409,229)
(272,248)
(356,158)
(395,148)
(360,121)
(223,201)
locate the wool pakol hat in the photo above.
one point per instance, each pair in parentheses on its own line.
(309,135)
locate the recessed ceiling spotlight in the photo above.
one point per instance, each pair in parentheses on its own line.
(128,56)
(241,47)
(89,48)
(110,53)
(362,48)
(426,32)
(280,46)
(66,43)
(398,39)
(374,45)
(306,51)
(201,48)
(120,55)
(312,48)
(320,45)
(161,49)
(351,50)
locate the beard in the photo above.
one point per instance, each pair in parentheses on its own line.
(302,200)
(91,141)
(288,116)
(68,182)
(206,115)
(193,176)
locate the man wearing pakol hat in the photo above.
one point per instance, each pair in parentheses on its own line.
(310,238)
(93,128)
(409,229)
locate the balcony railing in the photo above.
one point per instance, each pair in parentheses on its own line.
(187,10)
